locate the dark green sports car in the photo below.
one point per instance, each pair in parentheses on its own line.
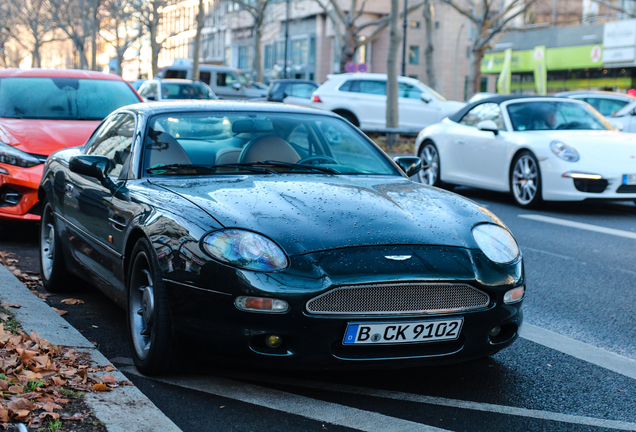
(275,235)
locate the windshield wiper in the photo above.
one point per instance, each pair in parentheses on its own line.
(292,165)
(211,168)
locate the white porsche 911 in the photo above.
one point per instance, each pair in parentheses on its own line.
(538,148)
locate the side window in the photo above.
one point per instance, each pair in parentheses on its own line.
(373,87)
(302,90)
(346,87)
(205,77)
(220,79)
(181,74)
(114,140)
(485,111)
(408,91)
(300,140)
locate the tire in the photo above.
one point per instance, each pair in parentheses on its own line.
(525,180)
(55,277)
(154,349)
(349,117)
(429,174)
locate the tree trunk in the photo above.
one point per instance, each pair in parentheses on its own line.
(474,70)
(81,54)
(428,51)
(120,61)
(257,70)
(349,47)
(392,113)
(196,46)
(155,48)
(94,31)
(36,58)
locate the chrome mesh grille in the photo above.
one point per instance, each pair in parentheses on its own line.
(392,299)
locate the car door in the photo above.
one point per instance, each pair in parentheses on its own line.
(92,223)
(415,113)
(229,86)
(370,101)
(480,157)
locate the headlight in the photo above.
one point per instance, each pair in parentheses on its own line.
(564,151)
(13,156)
(496,243)
(245,249)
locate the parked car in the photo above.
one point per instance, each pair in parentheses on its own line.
(538,148)
(259,85)
(291,91)
(287,239)
(479,96)
(361,99)
(225,82)
(41,111)
(156,90)
(625,118)
(607,103)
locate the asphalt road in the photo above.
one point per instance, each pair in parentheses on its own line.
(574,369)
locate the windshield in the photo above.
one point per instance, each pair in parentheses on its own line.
(176,90)
(433,92)
(626,109)
(549,115)
(258,143)
(242,79)
(62,98)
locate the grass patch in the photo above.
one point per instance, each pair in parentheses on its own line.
(54,425)
(71,394)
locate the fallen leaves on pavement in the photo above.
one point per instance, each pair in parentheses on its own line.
(12,305)
(72,301)
(60,312)
(35,376)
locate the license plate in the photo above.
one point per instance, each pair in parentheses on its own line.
(629,179)
(402,332)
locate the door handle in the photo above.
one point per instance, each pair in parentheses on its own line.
(68,188)
(118,222)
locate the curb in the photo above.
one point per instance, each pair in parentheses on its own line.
(126,409)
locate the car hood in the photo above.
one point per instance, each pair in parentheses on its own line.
(591,145)
(43,137)
(308,213)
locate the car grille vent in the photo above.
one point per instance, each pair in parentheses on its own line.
(626,189)
(390,299)
(590,185)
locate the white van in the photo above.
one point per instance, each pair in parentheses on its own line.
(226,82)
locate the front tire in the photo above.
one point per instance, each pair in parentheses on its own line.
(55,277)
(525,180)
(430,172)
(154,349)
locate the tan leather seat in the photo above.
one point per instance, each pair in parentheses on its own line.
(269,148)
(228,156)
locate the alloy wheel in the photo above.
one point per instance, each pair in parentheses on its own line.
(47,242)
(430,165)
(142,306)
(525,179)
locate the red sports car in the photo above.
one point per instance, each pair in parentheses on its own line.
(42,111)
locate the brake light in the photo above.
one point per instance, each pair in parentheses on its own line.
(315,98)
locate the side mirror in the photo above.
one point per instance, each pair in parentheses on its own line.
(236,86)
(488,126)
(425,98)
(411,165)
(93,166)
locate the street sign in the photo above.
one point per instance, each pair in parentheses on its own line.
(350,67)
(362,67)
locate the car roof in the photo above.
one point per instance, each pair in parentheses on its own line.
(223,106)
(177,80)
(292,80)
(58,73)
(595,93)
(498,100)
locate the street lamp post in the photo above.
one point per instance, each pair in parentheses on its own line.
(404,40)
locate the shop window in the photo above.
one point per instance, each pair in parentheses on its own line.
(414,54)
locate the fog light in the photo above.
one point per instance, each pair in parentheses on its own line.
(274,341)
(261,304)
(495,331)
(514,295)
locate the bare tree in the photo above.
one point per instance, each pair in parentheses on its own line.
(490,19)
(428,51)
(32,26)
(152,20)
(392,113)
(256,9)
(121,27)
(78,19)
(628,11)
(5,25)
(348,29)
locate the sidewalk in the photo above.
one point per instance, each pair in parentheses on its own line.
(125,409)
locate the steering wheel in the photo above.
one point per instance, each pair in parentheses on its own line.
(310,159)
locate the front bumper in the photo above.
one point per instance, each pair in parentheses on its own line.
(209,320)
(610,187)
(19,192)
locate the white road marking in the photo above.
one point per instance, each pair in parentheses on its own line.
(321,411)
(314,409)
(580,350)
(579,225)
(524,248)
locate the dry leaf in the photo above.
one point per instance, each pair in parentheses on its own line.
(12,305)
(21,404)
(108,379)
(59,311)
(72,301)
(4,316)
(100,387)
(74,417)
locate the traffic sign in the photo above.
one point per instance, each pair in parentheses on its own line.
(362,67)
(350,67)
